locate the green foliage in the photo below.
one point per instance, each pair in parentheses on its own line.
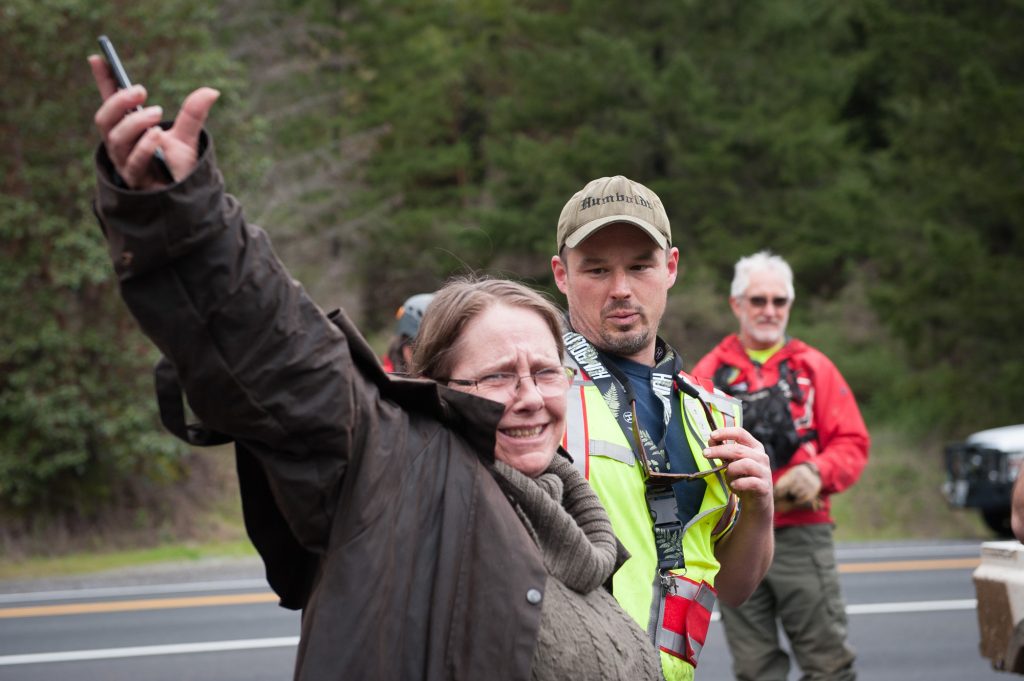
(731,112)
(307,162)
(877,146)
(949,245)
(77,418)
(862,140)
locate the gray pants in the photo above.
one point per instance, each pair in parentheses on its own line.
(801,590)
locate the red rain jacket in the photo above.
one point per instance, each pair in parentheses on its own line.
(827,407)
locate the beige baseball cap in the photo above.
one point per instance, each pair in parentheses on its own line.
(608,200)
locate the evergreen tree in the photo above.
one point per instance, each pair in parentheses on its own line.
(940,108)
(77,416)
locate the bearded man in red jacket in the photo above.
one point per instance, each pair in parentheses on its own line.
(798,405)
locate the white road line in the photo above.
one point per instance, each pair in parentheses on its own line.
(141,589)
(144,651)
(898,608)
(915,606)
(903,552)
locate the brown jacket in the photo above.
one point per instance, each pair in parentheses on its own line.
(421,566)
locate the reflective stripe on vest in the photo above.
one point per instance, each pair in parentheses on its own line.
(684,617)
(577,440)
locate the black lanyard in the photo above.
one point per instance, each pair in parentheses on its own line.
(619,396)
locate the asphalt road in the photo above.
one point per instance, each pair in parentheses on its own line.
(911,617)
(911,613)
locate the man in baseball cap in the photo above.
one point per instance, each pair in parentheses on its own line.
(638,430)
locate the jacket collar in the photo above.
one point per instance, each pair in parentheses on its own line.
(474,418)
(732,352)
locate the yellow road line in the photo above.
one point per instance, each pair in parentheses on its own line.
(270,597)
(143,604)
(910,565)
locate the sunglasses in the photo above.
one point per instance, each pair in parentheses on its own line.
(675,477)
(760,301)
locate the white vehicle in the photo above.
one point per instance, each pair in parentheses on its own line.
(980,472)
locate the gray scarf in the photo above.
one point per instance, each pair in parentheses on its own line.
(566,519)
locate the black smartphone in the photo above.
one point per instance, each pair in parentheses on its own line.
(123,82)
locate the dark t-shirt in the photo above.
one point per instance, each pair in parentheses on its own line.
(650,414)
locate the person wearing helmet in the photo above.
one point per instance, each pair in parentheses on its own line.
(408,318)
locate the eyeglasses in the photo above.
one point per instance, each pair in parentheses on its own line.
(550,382)
(674,477)
(760,301)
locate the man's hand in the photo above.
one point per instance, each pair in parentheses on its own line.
(748,469)
(132,139)
(746,552)
(798,487)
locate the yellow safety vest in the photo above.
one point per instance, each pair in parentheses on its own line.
(601,452)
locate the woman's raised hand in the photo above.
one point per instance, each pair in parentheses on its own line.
(132,137)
